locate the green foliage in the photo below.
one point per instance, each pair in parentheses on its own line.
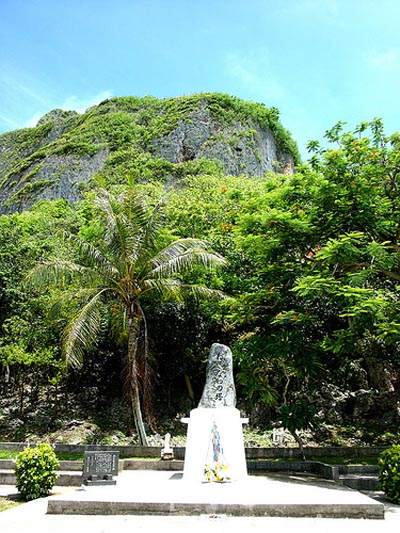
(313,261)
(297,416)
(132,265)
(29,346)
(28,189)
(35,471)
(355,266)
(129,129)
(389,473)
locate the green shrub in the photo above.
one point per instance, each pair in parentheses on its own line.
(389,473)
(35,471)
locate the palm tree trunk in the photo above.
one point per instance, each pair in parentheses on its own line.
(132,383)
(146,375)
(137,417)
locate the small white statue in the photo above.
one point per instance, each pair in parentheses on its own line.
(167,453)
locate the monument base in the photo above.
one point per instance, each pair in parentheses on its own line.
(98,482)
(214,445)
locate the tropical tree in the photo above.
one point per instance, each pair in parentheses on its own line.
(30,357)
(130,263)
(321,291)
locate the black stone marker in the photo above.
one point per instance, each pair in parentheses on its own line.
(99,467)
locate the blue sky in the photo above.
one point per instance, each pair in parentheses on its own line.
(317,61)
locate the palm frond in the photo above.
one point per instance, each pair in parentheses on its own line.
(137,212)
(144,228)
(178,247)
(53,271)
(82,331)
(199,293)
(152,226)
(182,255)
(126,220)
(116,232)
(106,202)
(94,257)
(79,295)
(167,289)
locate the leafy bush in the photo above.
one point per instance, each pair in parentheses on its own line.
(35,470)
(389,473)
(298,416)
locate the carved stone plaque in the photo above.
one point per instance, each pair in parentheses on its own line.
(99,467)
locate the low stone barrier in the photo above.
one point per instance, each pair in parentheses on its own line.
(360,477)
(291,452)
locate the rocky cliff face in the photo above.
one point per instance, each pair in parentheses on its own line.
(141,137)
(242,148)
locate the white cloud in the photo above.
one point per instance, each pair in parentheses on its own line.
(237,68)
(383,60)
(255,72)
(22,88)
(71,103)
(319,8)
(23,95)
(80,105)
(8,121)
(31,123)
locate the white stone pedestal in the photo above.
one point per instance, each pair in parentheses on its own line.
(199,445)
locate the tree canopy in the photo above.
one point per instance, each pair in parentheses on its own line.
(114,279)
(312,278)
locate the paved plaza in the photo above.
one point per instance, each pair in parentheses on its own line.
(164,487)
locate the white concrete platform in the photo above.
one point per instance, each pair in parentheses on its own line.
(166,493)
(32,517)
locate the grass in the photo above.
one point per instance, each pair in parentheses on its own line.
(142,458)
(7,503)
(62,456)
(327,460)
(7,454)
(69,456)
(74,456)
(346,460)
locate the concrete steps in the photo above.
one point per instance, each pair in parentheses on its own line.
(359,477)
(65,479)
(285,488)
(70,473)
(360,482)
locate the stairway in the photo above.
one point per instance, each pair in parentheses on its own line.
(70,473)
(359,477)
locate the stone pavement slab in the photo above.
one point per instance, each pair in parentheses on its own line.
(32,517)
(140,492)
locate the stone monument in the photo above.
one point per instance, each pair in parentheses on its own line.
(214,447)
(99,467)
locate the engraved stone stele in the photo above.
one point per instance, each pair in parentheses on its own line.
(219,390)
(215,436)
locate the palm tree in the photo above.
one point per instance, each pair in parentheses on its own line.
(115,277)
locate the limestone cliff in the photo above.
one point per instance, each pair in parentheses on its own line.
(144,138)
